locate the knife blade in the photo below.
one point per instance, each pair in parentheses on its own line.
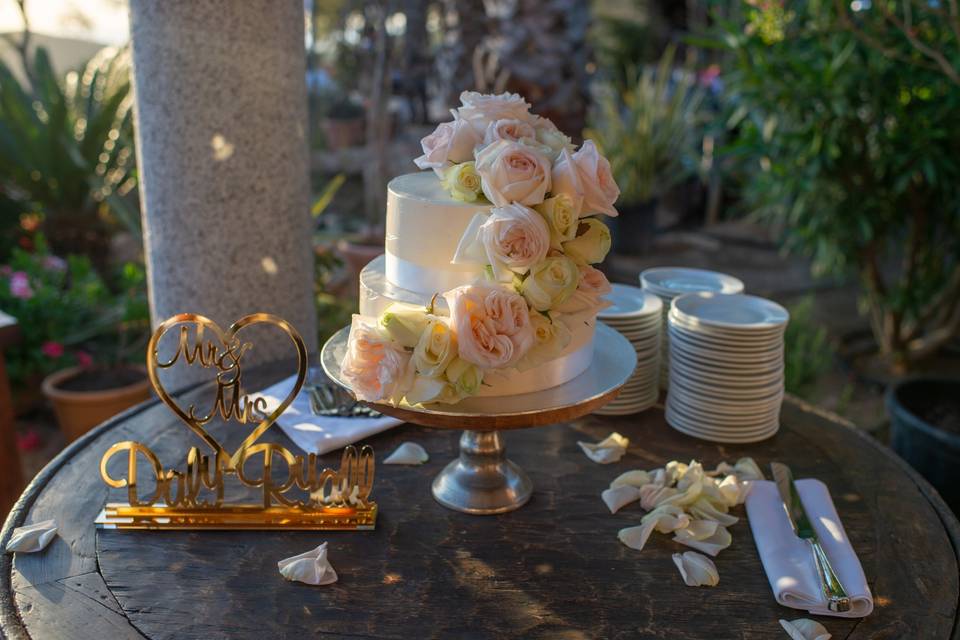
(837,599)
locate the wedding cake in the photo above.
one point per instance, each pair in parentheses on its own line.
(486,286)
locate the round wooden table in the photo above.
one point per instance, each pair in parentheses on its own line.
(553,569)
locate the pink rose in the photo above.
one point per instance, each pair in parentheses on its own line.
(586,174)
(376,368)
(589,294)
(548,135)
(512,130)
(492,325)
(510,239)
(20,285)
(512,172)
(84,359)
(451,142)
(52,349)
(481,109)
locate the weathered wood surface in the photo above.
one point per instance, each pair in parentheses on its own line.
(553,569)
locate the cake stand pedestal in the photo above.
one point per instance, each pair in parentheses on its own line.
(482,480)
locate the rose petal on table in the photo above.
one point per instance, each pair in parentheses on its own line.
(636,537)
(618,497)
(311,567)
(636,478)
(712,545)
(652,495)
(696,570)
(706,510)
(408,453)
(667,518)
(33,537)
(805,629)
(608,450)
(698,530)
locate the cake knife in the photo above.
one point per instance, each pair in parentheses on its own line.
(837,599)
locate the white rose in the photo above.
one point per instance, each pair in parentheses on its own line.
(481,109)
(547,134)
(550,283)
(376,368)
(451,142)
(510,239)
(404,323)
(560,212)
(464,376)
(512,130)
(435,349)
(425,390)
(551,337)
(591,244)
(586,174)
(513,172)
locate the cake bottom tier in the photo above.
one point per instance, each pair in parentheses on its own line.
(377,293)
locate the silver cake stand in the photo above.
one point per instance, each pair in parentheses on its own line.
(482,480)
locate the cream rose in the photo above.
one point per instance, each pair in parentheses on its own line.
(481,109)
(462,182)
(547,134)
(465,377)
(550,283)
(512,172)
(591,244)
(551,337)
(512,130)
(435,349)
(589,294)
(560,212)
(376,368)
(425,390)
(450,143)
(404,323)
(586,174)
(492,325)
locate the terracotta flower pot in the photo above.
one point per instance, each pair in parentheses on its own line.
(79,411)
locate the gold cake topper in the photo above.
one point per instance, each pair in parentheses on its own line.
(193,498)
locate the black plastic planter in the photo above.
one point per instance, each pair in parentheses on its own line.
(924,415)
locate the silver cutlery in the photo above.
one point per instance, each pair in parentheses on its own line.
(837,598)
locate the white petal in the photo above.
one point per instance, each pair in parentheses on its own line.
(32,538)
(805,629)
(667,518)
(748,469)
(636,537)
(470,249)
(311,567)
(636,478)
(618,497)
(651,495)
(408,453)
(706,510)
(697,530)
(610,449)
(713,545)
(696,570)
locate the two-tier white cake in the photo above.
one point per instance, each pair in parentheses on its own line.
(486,285)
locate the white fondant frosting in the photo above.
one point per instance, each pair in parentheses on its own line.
(424,226)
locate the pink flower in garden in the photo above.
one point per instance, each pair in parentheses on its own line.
(54,263)
(84,359)
(20,285)
(29,441)
(52,349)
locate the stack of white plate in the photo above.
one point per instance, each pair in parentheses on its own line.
(726,366)
(669,282)
(638,316)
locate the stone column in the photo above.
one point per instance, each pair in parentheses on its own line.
(221,117)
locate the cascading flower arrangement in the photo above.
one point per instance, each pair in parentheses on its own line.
(537,245)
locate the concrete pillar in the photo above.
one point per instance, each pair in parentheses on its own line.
(221,118)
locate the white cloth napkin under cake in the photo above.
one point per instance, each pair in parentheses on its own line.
(319,434)
(788,560)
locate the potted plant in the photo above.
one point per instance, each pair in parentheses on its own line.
(344,124)
(844,125)
(648,130)
(77,333)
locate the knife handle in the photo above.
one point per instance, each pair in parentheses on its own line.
(837,598)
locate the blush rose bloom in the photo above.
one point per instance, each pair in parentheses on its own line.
(513,172)
(481,109)
(510,239)
(450,143)
(586,175)
(377,369)
(551,137)
(492,325)
(590,292)
(512,130)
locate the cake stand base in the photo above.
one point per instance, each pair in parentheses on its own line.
(482,481)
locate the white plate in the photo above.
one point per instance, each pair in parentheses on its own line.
(721,355)
(739,388)
(724,335)
(718,375)
(748,343)
(705,423)
(711,420)
(738,311)
(726,368)
(697,402)
(675,281)
(729,439)
(630,302)
(704,428)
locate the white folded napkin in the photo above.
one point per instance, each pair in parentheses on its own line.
(311,567)
(319,434)
(789,561)
(32,537)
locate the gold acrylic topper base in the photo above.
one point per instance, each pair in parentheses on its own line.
(193,497)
